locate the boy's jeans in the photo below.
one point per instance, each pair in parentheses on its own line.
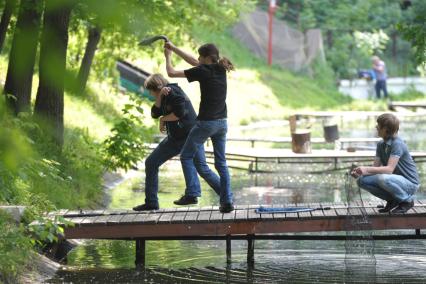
(167,149)
(389,187)
(216,130)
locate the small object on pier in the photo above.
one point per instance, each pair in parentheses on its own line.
(331,133)
(301,141)
(351,149)
(262,209)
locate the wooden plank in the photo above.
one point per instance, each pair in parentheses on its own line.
(267,216)
(244,227)
(280,216)
(330,212)
(128,218)
(228,217)
(115,219)
(304,215)
(241,213)
(204,216)
(216,216)
(179,216)
(101,219)
(166,217)
(420,207)
(140,218)
(192,216)
(317,213)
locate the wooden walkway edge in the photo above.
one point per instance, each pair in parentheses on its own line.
(192,223)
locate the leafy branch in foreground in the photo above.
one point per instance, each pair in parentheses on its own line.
(127,146)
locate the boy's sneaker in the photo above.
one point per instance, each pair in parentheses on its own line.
(186,200)
(226,207)
(145,207)
(403,207)
(389,206)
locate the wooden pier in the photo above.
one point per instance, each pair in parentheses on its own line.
(394,106)
(257,156)
(339,144)
(207,223)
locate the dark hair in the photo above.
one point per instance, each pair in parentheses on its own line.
(389,122)
(210,50)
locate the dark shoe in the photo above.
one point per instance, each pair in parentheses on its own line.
(403,207)
(389,206)
(186,200)
(145,207)
(226,207)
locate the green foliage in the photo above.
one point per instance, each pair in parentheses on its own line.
(15,249)
(343,21)
(414,30)
(48,230)
(127,144)
(409,94)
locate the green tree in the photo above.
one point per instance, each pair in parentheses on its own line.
(20,70)
(49,104)
(414,29)
(8,10)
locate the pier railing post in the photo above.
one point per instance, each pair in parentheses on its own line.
(140,253)
(228,249)
(250,249)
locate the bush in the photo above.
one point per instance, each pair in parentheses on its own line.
(15,249)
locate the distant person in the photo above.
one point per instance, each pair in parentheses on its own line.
(394,176)
(177,117)
(210,71)
(379,69)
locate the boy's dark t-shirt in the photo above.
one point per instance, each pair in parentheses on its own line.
(396,147)
(212,78)
(178,103)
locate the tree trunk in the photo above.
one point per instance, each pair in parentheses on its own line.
(91,46)
(49,106)
(394,36)
(329,39)
(5,20)
(20,70)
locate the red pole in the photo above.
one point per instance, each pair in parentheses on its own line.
(272,6)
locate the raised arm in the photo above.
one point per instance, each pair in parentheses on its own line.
(171,71)
(185,56)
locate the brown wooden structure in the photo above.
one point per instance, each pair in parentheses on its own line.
(207,223)
(256,156)
(410,105)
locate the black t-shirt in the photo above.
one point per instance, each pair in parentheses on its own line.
(178,103)
(212,78)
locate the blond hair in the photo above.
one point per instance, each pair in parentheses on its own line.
(155,82)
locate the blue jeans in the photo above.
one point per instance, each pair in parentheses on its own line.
(216,130)
(381,85)
(167,149)
(389,187)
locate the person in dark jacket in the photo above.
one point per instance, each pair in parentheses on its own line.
(177,117)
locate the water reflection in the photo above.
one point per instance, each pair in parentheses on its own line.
(288,261)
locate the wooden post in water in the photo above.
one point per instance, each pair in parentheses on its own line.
(228,249)
(292,122)
(301,141)
(140,253)
(250,249)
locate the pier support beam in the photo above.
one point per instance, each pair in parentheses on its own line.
(250,249)
(140,253)
(228,249)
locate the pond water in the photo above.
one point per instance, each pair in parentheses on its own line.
(283,261)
